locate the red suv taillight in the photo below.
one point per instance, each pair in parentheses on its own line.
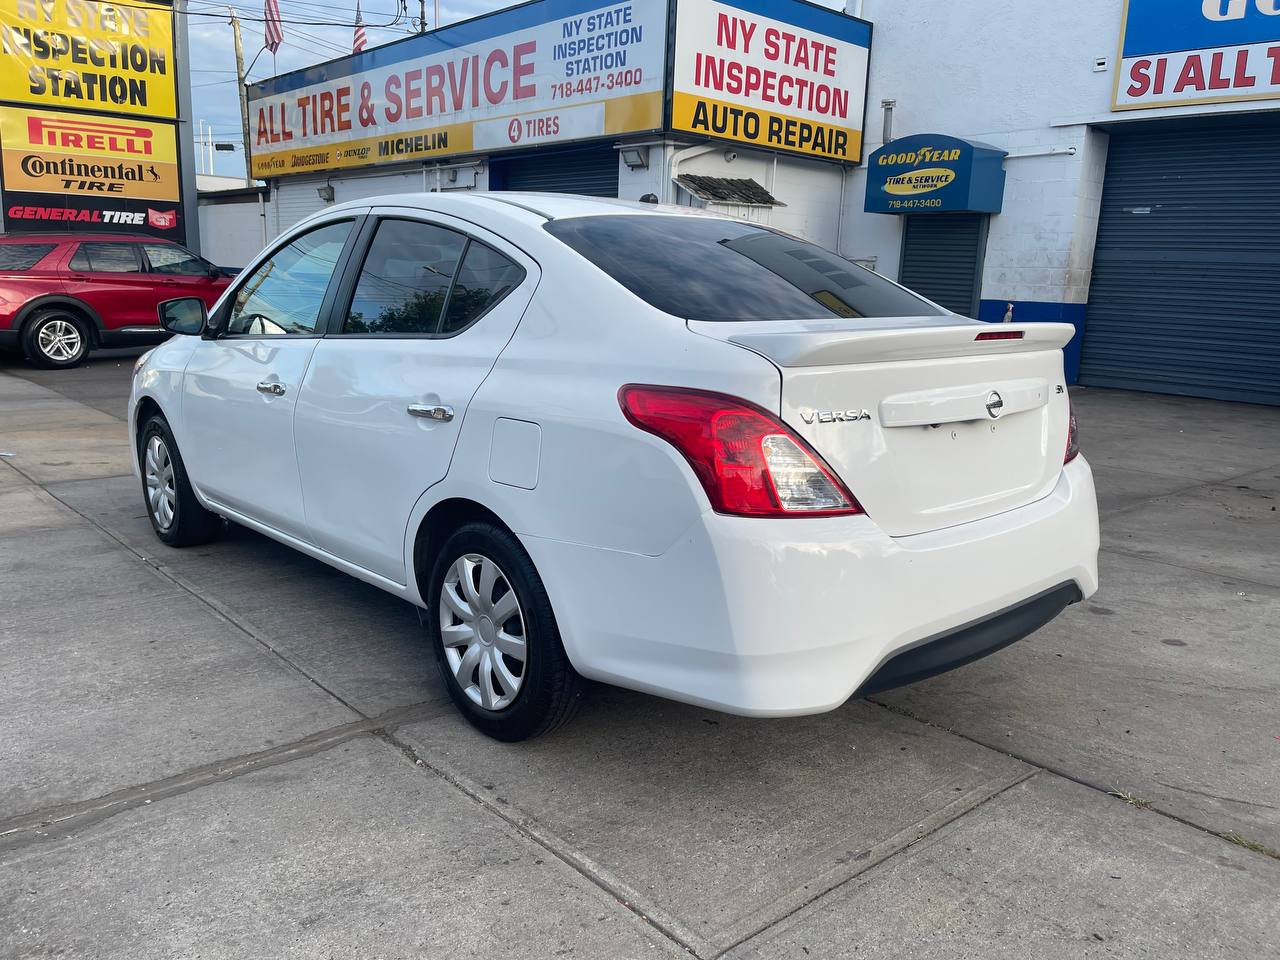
(749,462)
(1073,435)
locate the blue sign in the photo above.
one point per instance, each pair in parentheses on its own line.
(1183,52)
(932,173)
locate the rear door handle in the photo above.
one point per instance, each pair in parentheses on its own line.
(427,411)
(274,389)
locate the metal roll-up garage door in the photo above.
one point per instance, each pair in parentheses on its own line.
(942,258)
(1185,297)
(592,171)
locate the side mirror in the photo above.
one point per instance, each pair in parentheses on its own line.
(186,316)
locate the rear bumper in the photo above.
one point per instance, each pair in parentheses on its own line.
(8,339)
(790,617)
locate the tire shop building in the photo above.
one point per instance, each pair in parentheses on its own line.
(1139,194)
(752,106)
(1110,163)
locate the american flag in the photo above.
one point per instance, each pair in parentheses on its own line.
(358,39)
(274,32)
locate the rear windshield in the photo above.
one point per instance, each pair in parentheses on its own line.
(701,268)
(23,256)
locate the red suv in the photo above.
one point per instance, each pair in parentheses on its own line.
(62,295)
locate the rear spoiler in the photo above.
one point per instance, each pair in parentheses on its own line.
(834,343)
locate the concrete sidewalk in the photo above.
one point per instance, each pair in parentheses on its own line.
(235,751)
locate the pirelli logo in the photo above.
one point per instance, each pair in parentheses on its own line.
(96,136)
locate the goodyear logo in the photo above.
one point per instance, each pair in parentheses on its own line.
(919,181)
(916,157)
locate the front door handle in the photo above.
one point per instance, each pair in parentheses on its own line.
(275,389)
(438,411)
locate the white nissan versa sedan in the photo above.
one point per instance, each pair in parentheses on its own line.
(665,450)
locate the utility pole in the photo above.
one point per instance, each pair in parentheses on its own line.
(244,96)
(422,16)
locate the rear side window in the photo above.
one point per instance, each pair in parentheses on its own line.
(23,256)
(106,258)
(701,268)
(405,280)
(485,278)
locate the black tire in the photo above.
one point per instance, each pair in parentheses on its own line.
(55,338)
(550,689)
(189,524)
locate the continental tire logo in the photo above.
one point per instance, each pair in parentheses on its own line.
(95,136)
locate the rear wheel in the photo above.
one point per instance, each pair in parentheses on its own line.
(176,515)
(55,338)
(495,636)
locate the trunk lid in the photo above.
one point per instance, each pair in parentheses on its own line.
(928,425)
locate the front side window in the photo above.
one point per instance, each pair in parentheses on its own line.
(704,268)
(175,261)
(106,258)
(485,278)
(23,256)
(284,294)
(405,280)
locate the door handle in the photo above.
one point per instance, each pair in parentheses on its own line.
(439,411)
(274,389)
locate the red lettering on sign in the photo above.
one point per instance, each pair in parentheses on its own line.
(495,94)
(521,68)
(1192,75)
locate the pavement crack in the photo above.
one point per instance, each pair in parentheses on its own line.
(591,872)
(1056,771)
(61,821)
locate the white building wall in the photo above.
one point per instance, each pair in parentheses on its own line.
(231,230)
(1032,79)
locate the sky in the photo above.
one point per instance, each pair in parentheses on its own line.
(314,31)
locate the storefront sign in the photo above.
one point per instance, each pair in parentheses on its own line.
(551,71)
(114,58)
(80,171)
(1198,51)
(932,173)
(777,74)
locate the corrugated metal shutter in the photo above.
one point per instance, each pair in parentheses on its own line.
(296,199)
(592,171)
(1185,296)
(348,187)
(942,258)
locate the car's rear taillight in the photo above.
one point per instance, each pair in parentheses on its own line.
(748,461)
(1073,435)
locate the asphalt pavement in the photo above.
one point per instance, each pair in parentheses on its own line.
(234,751)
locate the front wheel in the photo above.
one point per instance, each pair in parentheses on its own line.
(495,637)
(176,515)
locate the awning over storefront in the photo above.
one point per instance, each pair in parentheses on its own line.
(933,173)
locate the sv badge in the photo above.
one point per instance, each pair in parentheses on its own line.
(834,416)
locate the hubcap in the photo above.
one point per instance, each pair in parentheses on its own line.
(162,496)
(59,340)
(482,629)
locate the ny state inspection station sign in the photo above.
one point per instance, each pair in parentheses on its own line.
(1184,52)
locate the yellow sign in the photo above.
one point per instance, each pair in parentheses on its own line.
(46,151)
(919,181)
(783,75)
(116,58)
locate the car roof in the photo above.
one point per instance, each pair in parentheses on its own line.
(548,206)
(69,237)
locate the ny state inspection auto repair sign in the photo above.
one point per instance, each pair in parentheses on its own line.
(778,75)
(548,71)
(1181,52)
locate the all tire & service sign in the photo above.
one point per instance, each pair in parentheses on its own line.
(87,109)
(547,71)
(783,76)
(1182,52)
